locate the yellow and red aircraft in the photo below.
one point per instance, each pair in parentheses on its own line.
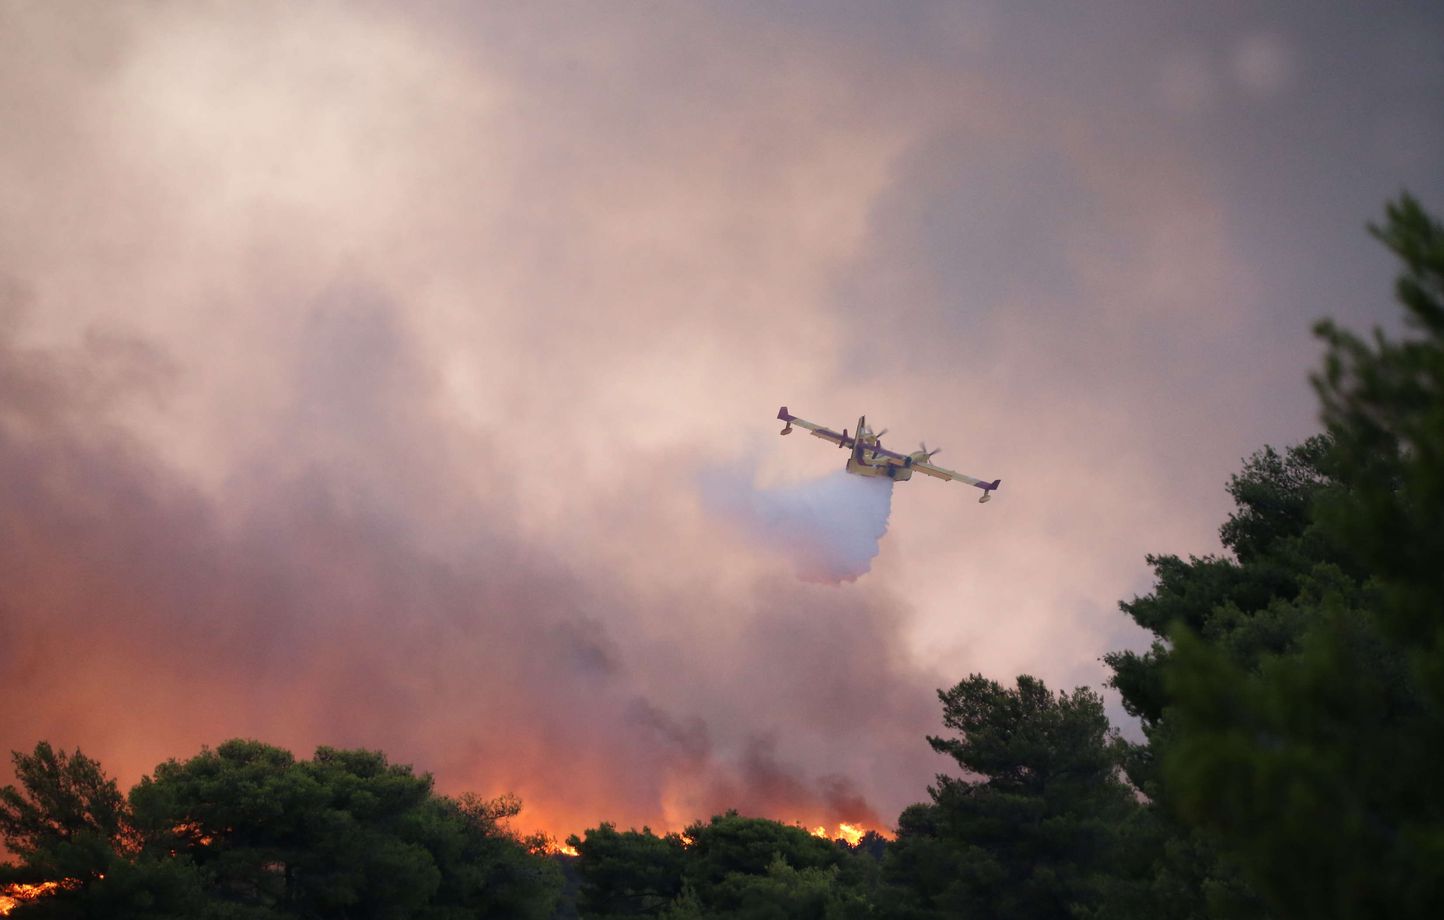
(870,458)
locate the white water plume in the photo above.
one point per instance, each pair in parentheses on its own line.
(828,527)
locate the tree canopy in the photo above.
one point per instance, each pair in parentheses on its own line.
(728,867)
(1314,762)
(247,830)
(1032,825)
(1292,701)
(67,819)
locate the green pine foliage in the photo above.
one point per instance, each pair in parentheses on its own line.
(1314,763)
(1292,700)
(70,820)
(732,867)
(1032,829)
(627,873)
(248,831)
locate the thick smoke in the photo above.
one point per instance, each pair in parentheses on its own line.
(328,594)
(829,528)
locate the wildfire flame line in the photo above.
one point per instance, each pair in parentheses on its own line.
(12,896)
(848,833)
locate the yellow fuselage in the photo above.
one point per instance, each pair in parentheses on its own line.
(894,471)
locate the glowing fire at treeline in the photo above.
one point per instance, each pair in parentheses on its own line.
(848,833)
(12,896)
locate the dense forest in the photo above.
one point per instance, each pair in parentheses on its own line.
(1291,704)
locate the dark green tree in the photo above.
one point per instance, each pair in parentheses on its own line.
(68,824)
(728,867)
(486,870)
(1316,763)
(627,873)
(784,892)
(1253,602)
(344,834)
(1031,829)
(742,867)
(732,844)
(67,820)
(1292,699)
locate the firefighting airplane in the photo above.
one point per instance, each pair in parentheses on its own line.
(870,458)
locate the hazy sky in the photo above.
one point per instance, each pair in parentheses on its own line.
(364,368)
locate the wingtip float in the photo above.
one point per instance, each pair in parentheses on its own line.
(870,458)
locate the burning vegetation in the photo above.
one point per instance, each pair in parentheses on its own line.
(850,834)
(12,896)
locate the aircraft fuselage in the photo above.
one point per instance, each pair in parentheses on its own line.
(884,469)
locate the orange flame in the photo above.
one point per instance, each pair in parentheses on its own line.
(12,896)
(846,832)
(192,831)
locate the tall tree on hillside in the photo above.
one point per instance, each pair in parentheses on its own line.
(1030,830)
(1318,765)
(1254,602)
(67,819)
(1383,402)
(1293,700)
(69,826)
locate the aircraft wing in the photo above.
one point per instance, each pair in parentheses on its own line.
(841,439)
(940,473)
(877,451)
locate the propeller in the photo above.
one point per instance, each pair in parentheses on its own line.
(928,454)
(877,442)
